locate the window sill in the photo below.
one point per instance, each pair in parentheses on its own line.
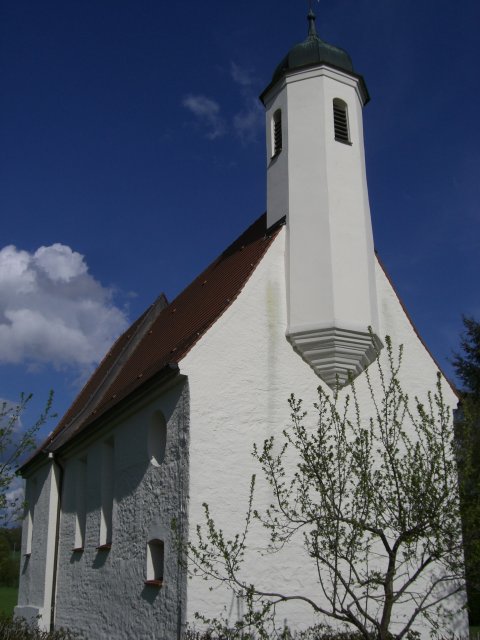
(104,547)
(27,555)
(154,583)
(78,550)
(347,142)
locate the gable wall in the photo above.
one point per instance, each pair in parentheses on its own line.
(241,374)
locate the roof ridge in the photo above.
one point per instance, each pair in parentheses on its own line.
(143,323)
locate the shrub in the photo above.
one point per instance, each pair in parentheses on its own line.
(315,633)
(20,629)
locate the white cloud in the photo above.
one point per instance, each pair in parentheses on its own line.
(16,492)
(52,311)
(240,76)
(14,496)
(59,262)
(10,414)
(14,271)
(207,112)
(249,122)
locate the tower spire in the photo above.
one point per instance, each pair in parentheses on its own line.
(316,179)
(312,31)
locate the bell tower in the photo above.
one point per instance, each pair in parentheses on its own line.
(316,178)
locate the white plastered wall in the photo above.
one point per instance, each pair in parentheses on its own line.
(320,185)
(38,546)
(102,592)
(240,376)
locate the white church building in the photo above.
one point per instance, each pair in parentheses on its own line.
(168,420)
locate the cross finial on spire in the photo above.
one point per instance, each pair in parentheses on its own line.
(312,31)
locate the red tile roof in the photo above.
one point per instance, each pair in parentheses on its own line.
(164,334)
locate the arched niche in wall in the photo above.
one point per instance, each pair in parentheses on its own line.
(155,562)
(157,438)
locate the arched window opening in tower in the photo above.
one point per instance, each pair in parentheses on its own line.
(340,121)
(277,132)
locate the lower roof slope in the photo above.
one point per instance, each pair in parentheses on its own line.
(163,334)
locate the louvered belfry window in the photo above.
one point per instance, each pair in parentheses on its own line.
(277,132)
(340,121)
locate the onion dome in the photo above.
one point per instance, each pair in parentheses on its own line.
(313,51)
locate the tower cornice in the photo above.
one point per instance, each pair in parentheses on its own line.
(350,78)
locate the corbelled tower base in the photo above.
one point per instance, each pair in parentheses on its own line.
(336,355)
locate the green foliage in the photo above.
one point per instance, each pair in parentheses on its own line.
(10,540)
(8,565)
(19,629)
(467,364)
(315,633)
(13,535)
(376,500)
(8,600)
(15,443)
(468,438)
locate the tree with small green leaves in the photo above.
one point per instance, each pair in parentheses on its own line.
(15,443)
(467,368)
(374,497)
(467,363)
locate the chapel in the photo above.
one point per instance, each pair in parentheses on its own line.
(168,420)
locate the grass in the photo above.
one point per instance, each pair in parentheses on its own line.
(8,599)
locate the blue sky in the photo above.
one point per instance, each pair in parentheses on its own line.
(132,152)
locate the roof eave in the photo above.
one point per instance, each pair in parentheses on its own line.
(164,376)
(360,78)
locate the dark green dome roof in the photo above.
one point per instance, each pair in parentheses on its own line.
(313,51)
